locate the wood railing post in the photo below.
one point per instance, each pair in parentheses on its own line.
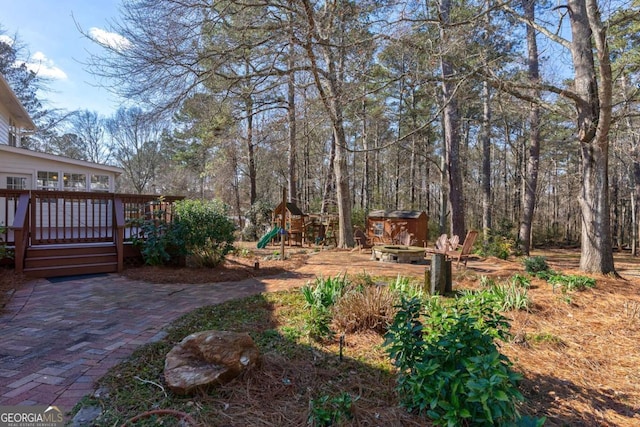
(118,232)
(21,231)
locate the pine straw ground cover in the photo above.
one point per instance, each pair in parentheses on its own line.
(579,353)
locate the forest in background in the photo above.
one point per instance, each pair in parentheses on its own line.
(516,118)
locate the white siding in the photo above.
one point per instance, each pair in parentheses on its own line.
(17,163)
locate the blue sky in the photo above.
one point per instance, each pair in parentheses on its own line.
(57,49)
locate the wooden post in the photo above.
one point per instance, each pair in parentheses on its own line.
(440,275)
(448,287)
(283,222)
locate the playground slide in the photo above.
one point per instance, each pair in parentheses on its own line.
(267,237)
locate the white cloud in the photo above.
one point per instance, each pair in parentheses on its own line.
(6,39)
(44,67)
(112,40)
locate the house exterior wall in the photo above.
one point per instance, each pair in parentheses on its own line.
(27,166)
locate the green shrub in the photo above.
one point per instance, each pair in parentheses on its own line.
(535,264)
(499,247)
(161,242)
(502,241)
(208,232)
(449,367)
(328,411)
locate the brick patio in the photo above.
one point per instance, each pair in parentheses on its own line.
(59,338)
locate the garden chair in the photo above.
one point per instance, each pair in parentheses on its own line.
(403,238)
(362,241)
(465,251)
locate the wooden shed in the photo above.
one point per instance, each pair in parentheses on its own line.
(294,220)
(397,227)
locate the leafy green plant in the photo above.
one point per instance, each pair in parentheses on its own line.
(161,241)
(242,252)
(208,232)
(199,229)
(327,411)
(449,366)
(404,287)
(319,297)
(487,282)
(535,264)
(571,282)
(499,247)
(5,252)
(509,295)
(520,281)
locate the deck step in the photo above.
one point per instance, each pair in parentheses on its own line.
(71,270)
(66,260)
(69,250)
(62,260)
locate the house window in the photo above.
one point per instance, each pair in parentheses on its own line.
(16,183)
(13,133)
(378,229)
(48,180)
(100,183)
(75,182)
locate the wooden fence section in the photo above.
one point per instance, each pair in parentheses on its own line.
(30,219)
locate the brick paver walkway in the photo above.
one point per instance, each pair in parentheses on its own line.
(57,339)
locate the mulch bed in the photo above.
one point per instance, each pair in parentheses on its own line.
(233,269)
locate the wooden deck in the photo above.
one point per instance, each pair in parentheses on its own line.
(56,233)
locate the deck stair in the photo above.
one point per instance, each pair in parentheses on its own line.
(70,259)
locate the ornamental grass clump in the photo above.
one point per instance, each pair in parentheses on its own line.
(370,308)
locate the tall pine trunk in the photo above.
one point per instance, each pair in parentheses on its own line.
(451,124)
(533,160)
(594,120)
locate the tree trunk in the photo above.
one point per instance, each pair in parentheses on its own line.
(291,119)
(251,154)
(365,146)
(451,124)
(594,120)
(533,160)
(327,194)
(485,137)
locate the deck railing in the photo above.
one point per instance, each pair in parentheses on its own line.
(8,207)
(31,218)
